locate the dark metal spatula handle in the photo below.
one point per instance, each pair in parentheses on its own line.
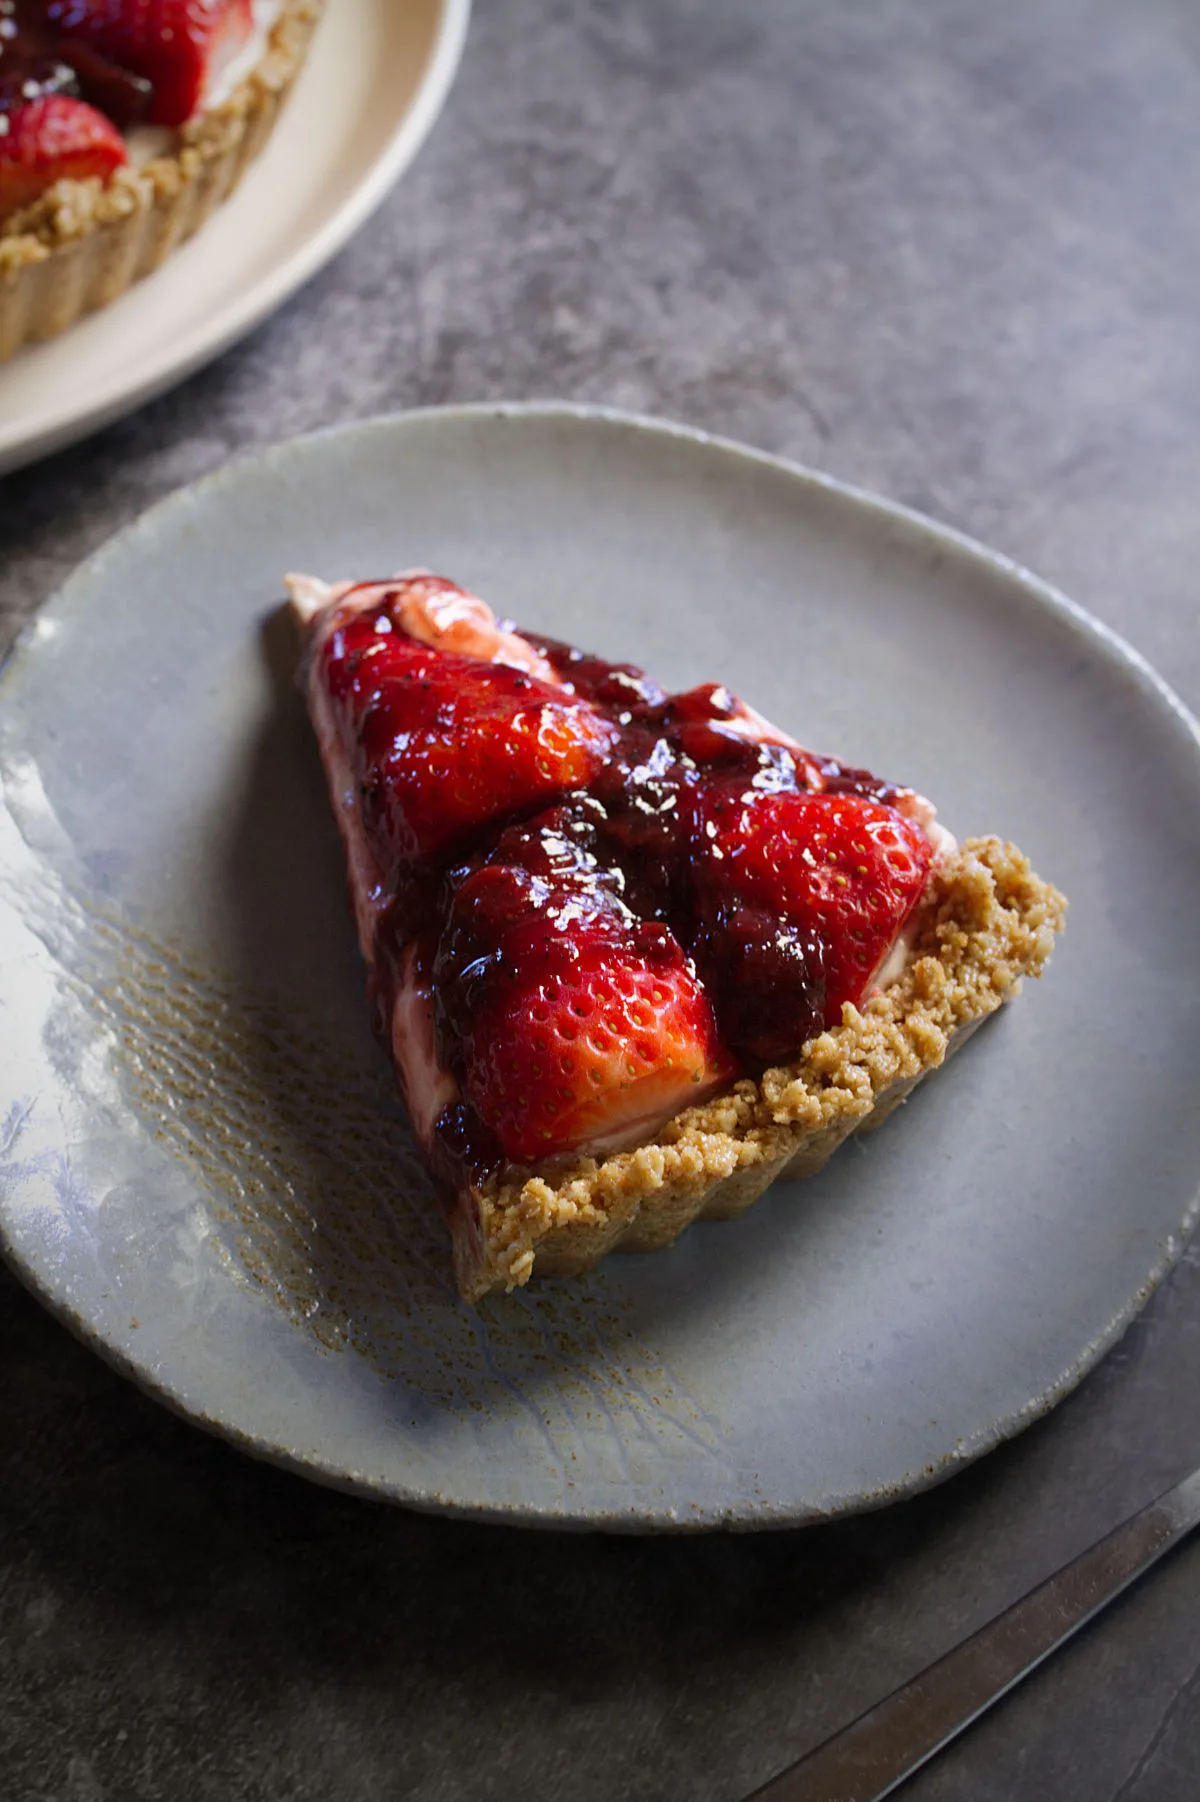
(875,1753)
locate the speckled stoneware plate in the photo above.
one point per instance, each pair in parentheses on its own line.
(375,80)
(203,1169)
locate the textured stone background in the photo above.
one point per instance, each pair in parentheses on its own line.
(948,250)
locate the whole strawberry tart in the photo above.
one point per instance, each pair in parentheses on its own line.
(635,955)
(123,123)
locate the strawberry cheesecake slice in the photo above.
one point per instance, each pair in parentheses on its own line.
(123,123)
(635,955)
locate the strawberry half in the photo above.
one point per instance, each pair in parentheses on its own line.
(593,1047)
(175,45)
(51,139)
(445,743)
(576,1024)
(799,898)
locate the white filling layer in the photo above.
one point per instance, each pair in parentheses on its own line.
(366,885)
(229,75)
(898,958)
(428,1088)
(923,813)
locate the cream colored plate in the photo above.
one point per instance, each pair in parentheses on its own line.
(375,82)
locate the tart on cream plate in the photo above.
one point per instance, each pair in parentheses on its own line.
(123,124)
(635,955)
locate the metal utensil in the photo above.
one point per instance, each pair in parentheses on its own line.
(873,1755)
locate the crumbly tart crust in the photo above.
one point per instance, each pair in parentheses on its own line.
(83,243)
(989,921)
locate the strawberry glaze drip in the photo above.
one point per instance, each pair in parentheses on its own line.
(620,899)
(38,58)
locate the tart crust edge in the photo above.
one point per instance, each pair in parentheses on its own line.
(988,922)
(83,243)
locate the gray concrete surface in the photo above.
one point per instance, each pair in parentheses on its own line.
(945,249)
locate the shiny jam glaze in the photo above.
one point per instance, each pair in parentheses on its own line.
(39,58)
(592,870)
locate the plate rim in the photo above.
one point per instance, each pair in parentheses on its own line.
(22,445)
(641,1517)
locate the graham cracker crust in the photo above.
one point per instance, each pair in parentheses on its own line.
(988,922)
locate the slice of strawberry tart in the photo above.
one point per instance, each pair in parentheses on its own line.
(635,955)
(123,123)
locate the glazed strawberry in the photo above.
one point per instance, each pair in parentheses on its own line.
(614,685)
(716,730)
(798,899)
(35,61)
(446,743)
(174,44)
(50,139)
(30,68)
(593,1045)
(574,1023)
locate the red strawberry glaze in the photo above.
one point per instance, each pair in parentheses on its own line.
(37,60)
(598,902)
(172,44)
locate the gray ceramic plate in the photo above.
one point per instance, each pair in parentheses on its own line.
(203,1169)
